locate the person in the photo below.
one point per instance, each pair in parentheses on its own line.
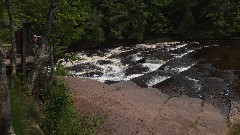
(34,43)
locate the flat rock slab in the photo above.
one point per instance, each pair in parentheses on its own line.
(131,109)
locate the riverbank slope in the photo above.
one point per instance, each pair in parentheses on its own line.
(131,109)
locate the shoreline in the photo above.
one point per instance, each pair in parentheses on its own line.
(131,109)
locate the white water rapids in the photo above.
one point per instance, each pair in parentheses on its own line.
(114,69)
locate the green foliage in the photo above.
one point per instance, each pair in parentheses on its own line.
(157,21)
(69,24)
(204,19)
(61,71)
(235,129)
(124,20)
(215,17)
(61,118)
(90,124)
(97,22)
(57,115)
(4,24)
(186,23)
(93,30)
(60,115)
(25,115)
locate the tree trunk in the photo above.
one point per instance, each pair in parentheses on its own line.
(14,50)
(51,64)
(23,58)
(40,57)
(5,112)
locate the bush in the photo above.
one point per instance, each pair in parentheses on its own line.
(235,129)
(51,112)
(25,113)
(59,112)
(61,118)
(61,71)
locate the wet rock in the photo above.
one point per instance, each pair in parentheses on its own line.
(84,67)
(162,55)
(199,70)
(180,85)
(92,74)
(180,62)
(125,54)
(154,77)
(136,69)
(143,60)
(179,51)
(104,62)
(215,93)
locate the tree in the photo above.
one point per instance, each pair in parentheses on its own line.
(13,41)
(94,32)
(4,24)
(41,57)
(158,24)
(123,19)
(69,24)
(5,113)
(210,19)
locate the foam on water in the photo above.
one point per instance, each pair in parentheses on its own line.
(114,70)
(181,69)
(181,55)
(153,46)
(191,79)
(168,43)
(152,66)
(117,50)
(156,79)
(177,47)
(127,78)
(136,57)
(74,73)
(195,42)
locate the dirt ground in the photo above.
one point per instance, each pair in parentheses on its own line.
(132,110)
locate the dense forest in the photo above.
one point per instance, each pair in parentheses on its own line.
(104,21)
(61,23)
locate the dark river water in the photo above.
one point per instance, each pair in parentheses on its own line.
(201,70)
(225,58)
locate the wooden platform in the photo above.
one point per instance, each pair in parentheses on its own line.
(29,60)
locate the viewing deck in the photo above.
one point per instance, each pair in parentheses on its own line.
(29,60)
(7,53)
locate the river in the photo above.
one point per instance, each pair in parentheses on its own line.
(201,70)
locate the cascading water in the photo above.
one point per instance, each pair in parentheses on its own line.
(191,68)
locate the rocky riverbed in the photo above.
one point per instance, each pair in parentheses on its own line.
(205,72)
